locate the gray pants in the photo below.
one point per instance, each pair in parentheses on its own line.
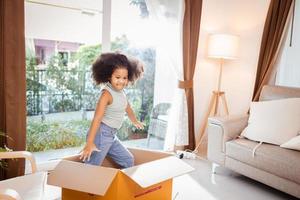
(109,144)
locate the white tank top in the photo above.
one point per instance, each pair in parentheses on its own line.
(115,112)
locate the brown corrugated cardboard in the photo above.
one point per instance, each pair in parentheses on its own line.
(150,178)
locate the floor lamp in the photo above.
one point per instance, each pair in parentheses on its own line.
(222,47)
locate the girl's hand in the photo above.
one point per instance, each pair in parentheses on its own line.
(138,125)
(87,151)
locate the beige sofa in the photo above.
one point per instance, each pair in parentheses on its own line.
(271,165)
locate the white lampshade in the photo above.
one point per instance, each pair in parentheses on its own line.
(223,46)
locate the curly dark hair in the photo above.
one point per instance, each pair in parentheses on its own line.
(107,63)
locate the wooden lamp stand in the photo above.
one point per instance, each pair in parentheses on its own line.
(220,46)
(216,98)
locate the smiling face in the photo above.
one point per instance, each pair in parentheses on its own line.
(119,78)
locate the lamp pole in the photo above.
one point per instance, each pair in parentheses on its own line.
(220,74)
(218,93)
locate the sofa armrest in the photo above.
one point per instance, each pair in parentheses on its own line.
(221,130)
(232,126)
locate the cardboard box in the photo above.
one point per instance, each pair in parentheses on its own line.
(150,178)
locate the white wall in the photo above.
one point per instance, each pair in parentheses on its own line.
(240,17)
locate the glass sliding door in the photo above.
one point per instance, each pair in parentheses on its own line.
(150,31)
(62,40)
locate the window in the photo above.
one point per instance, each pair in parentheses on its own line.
(60,49)
(62,40)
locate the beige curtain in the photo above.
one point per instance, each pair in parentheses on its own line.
(272,36)
(12,82)
(191,28)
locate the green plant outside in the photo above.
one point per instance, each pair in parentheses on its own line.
(43,136)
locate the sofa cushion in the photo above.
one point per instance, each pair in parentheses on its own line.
(274,122)
(282,162)
(293,143)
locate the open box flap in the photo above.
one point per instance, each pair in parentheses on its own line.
(145,155)
(82,177)
(157,171)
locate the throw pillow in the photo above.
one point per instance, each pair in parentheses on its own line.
(274,122)
(293,143)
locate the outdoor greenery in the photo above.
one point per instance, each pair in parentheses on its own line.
(142,6)
(61,87)
(43,136)
(34,88)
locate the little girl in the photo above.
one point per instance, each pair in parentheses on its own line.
(115,71)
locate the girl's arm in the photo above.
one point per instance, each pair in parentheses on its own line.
(104,100)
(132,117)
